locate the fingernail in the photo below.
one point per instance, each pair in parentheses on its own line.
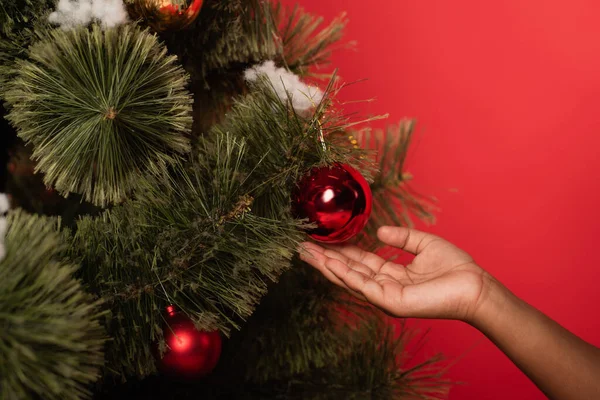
(312,247)
(384,230)
(306,253)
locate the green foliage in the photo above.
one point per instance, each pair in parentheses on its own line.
(16,15)
(303,42)
(192,242)
(373,364)
(101,109)
(21,21)
(207,238)
(51,340)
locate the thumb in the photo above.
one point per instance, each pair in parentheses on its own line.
(407,239)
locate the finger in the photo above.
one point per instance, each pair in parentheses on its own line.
(357,254)
(358,282)
(336,254)
(352,256)
(407,239)
(313,255)
(358,266)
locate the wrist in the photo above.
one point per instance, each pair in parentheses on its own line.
(493,301)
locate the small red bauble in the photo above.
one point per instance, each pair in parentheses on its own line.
(190,353)
(337,199)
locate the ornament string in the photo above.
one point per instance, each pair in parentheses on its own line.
(322,136)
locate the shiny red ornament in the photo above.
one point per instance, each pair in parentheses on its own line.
(190,353)
(337,199)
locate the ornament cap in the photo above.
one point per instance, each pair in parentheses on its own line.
(171,311)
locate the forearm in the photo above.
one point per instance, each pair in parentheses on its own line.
(561,364)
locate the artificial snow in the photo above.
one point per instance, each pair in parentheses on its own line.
(287,86)
(72,13)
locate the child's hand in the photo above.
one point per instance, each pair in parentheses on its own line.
(442,281)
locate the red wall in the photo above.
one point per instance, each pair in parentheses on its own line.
(507,96)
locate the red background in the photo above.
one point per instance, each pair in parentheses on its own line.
(506,95)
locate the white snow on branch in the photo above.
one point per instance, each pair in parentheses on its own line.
(72,13)
(4,206)
(287,85)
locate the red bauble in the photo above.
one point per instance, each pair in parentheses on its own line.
(190,352)
(337,199)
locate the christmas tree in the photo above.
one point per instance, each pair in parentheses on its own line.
(171,158)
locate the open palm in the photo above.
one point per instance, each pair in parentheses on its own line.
(442,281)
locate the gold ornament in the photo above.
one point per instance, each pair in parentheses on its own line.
(165,15)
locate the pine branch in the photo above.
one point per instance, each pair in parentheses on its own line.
(370,368)
(190,241)
(306,46)
(101,108)
(51,341)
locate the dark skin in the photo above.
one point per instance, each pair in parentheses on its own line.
(445,282)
